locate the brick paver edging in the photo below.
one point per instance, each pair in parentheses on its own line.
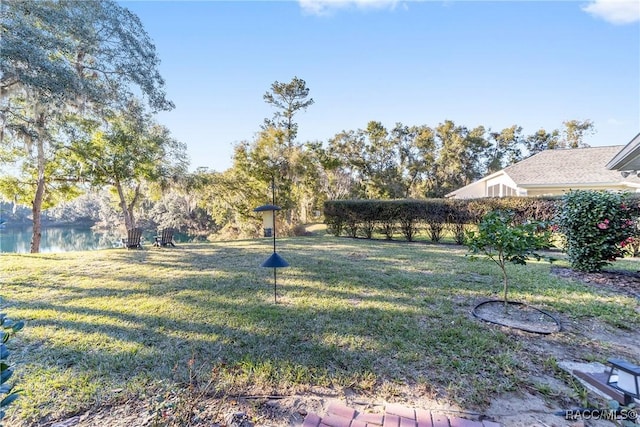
(339,415)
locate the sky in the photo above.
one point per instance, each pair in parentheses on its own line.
(533,64)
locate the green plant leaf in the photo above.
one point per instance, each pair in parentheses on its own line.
(18,326)
(8,400)
(5,375)
(4,352)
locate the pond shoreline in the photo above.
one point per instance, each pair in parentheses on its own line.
(67,237)
(48,224)
(56,237)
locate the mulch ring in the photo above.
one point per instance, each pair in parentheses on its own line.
(626,282)
(517,315)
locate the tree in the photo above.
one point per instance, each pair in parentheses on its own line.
(345,155)
(416,156)
(570,137)
(230,196)
(501,240)
(132,150)
(63,57)
(335,181)
(383,164)
(505,148)
(542,140)
(574,132)
(288,98)
(459,158)
(381,171)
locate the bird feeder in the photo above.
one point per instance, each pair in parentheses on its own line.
(268,218)
(275,261)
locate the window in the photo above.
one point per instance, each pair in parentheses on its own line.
(501,190)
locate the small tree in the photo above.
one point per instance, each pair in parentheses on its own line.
(597,225)
(501,240)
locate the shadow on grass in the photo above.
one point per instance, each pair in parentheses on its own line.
(351,314)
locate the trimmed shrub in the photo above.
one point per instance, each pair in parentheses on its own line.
(458,216)
(362,217)
(410,214)
(436,218)
(597,225)
(388,219)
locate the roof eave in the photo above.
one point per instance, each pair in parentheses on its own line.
(580,184)
(624,157)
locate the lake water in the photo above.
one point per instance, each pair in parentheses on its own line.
(56,239)
(66,239)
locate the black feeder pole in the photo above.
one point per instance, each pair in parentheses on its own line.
(275,261)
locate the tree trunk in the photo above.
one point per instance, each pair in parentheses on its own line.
(303,210)
(502,262)
(505,284)
(128,220)
(36,209)
(132,205)
(36,204)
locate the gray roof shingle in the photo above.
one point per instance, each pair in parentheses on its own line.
(568,166)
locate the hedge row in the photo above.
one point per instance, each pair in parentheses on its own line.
(355,218)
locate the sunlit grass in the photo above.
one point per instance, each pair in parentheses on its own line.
(106,325)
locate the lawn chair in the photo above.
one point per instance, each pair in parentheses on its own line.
(165,238)
(133,239)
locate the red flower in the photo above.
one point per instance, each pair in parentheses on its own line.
(603,225)
(627,241)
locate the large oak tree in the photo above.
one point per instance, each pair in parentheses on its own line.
(63,58)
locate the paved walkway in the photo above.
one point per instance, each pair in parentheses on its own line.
(395,415)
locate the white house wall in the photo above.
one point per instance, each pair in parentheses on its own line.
(471,191)
(480,188)
(501,179)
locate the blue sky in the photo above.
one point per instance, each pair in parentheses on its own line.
(534,64)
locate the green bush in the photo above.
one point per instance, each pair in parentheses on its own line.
(597,225)
(7,329)
(407,216)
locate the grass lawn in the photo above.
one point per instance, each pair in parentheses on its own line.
(107,326)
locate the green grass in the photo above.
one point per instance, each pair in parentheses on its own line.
(106,326)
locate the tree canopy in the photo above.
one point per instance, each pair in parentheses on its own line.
(127,151)
(288,98)
(60,61)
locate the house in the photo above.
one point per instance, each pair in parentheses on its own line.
(555,172)
(627,160)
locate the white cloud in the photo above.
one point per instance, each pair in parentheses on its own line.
(325,7)
(615,11)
